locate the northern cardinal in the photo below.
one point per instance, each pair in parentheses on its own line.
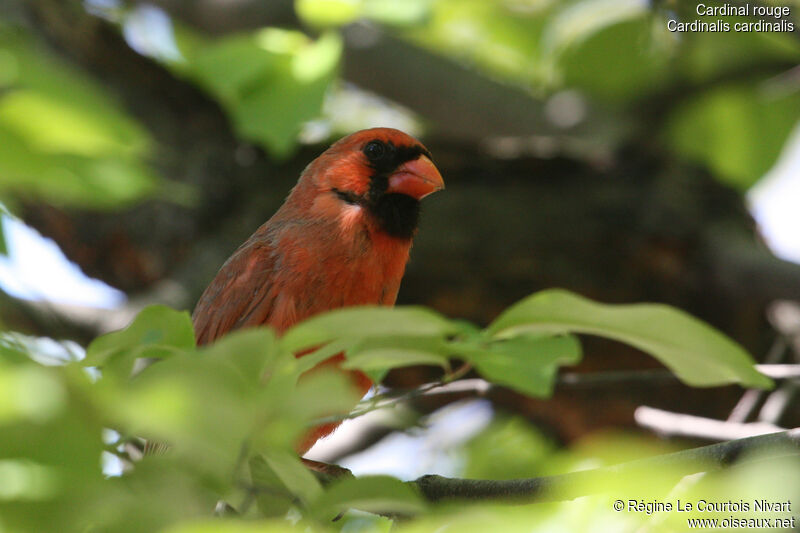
(341,238)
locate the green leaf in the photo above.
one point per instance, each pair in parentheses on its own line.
(3,241)
(328,12)
(396,13)
(43,350)
(157,331)
(393,352)
(30,392)
(52,123)
(355,521)
(234,526)
(281,480)
(270,82)
(716,128)
(100,181)
(312,359)
(250,351)
(11,351)
(358,323)
(525,363)
(509,448)
(626,49)
(321,393)
(62,138)
(499,41)
(377,494)
(207,404)
(697,353)
(293,474)
(578,22)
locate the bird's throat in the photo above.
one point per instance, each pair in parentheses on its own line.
(396,214)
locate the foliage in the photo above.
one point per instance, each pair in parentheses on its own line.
(270,82)
(62,138)
(620,55)
(230,413)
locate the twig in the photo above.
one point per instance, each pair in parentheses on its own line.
(393,397)
(777,403)
(774,371)
(569,486)
(676,424)
(480,387)
(746,405)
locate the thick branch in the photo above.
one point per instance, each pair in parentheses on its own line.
(576,484)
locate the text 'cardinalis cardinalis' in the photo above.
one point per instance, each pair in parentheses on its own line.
(341,238)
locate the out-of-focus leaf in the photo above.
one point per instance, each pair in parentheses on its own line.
(321,393)
(367,322)
(11,352)
(580,21)
(157,331)
(397,13)
(234,526)
(43,350)
(297,479)
(70,179)
(272,497)
(53,123)
(616,64)
(3,242)
(326,13)
(61,137)
(354,521)
(368,493)
(499,41)
(526,363)
(29,392)
(697,353)
(269,82)
(770,475)
(316,356)
(249,351)
(509,448)
(705,56)
(158,493)
(609,48)
(202,405)
(50,445)
(394,352)
(717,128)
(27,481)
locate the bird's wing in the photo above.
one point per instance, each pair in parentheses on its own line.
(242,293)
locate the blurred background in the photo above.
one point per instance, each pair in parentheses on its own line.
(584,146)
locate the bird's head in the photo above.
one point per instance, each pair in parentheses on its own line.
(380,174)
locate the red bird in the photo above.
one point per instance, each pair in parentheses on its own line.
(341,238)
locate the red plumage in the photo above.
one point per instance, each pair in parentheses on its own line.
(341,238)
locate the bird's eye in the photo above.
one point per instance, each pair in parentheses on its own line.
(375,150)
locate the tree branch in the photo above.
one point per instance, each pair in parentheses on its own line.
(671,424)
(576,484)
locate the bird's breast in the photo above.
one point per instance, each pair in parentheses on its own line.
(333,269)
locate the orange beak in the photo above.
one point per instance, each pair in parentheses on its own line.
(417,179)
